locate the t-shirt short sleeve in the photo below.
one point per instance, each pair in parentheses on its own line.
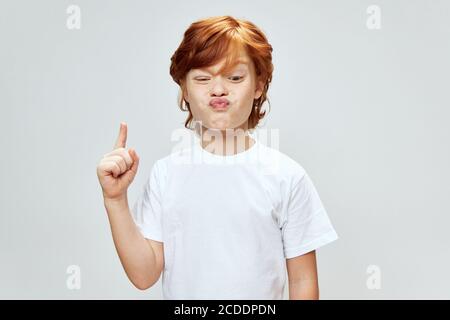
(306,226)
(146,210)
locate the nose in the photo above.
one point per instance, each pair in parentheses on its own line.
(218,87)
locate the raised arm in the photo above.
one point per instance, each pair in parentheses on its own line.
(142,259)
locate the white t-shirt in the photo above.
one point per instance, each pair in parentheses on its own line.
(229,223)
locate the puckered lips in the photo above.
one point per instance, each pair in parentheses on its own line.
(219,104)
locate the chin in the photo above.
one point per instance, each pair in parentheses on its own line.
(218,125)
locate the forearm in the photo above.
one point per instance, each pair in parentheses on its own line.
(135,253)
(304,290)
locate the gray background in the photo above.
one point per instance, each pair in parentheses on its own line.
(364,111)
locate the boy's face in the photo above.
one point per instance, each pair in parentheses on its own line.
(239,87)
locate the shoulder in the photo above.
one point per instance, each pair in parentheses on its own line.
(165,165)
(282,165)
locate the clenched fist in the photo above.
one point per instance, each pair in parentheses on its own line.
(117,169)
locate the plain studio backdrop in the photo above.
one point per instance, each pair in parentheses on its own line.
(359,97)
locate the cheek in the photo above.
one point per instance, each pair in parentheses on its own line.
(246,97)
(247,90)
(197,95)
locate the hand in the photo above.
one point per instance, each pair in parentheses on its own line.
(117,169)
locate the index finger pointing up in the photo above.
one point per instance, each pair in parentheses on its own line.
(122,138)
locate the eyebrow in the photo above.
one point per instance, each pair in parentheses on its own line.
(239,62)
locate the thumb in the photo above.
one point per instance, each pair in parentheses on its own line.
(134,167)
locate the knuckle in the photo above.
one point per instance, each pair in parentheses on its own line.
(127,158)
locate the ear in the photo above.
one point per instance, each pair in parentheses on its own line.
(259,89)
(184,92)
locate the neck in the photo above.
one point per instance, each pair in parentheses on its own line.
(226,142)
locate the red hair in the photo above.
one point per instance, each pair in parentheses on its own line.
(208,41)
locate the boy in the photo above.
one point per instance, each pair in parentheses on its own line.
(227,217)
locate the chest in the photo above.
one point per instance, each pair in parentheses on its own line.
(221,198)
